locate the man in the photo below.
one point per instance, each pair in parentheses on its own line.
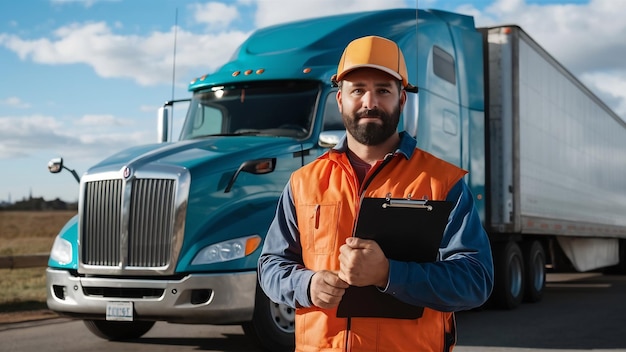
(310,257)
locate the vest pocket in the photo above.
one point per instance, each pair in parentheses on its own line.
(319,233)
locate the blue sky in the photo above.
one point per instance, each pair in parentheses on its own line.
(83,79)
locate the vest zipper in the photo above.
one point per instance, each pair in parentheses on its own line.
(386,161)
(366,183)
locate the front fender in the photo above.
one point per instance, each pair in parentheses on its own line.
(252,217)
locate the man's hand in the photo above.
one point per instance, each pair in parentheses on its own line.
(327,289)
(363,263)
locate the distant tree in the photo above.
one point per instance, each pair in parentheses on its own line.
(33,203)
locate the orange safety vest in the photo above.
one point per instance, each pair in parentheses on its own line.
(326,197)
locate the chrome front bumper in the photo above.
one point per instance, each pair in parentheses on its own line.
(196,298)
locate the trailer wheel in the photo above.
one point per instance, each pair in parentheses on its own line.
(272,325)
(508,290)
(535,269)
(118,330)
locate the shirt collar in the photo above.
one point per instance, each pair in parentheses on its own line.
(406,147)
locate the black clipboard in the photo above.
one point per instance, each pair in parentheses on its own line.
(406,230)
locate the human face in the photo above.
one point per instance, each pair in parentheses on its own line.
(370,102)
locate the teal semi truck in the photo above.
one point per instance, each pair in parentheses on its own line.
(172,231)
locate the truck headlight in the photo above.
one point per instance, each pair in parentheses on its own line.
(61,251)
(227,250)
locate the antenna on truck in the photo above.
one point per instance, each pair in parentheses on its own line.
(165,120)
(174,59)
(417,71)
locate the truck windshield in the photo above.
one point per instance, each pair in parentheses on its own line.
(274,108)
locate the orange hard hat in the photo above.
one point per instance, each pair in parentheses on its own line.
(375,52)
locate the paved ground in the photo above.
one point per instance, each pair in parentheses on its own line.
(18,317)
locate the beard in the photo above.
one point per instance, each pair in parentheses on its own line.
(372,134)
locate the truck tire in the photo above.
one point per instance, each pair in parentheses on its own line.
(535,270)
(118,330)
(508,290)
(272,325)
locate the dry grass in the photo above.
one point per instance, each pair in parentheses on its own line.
(22,289)
(30,232)
(27,232)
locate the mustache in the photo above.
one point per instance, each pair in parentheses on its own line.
(370,113)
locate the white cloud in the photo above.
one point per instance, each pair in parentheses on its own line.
(586,38)
(277,11)
(610,87)
(102,121)
(20,126)
(96,141)
(14,102)
(85,3)
(148,108)
(199,54)
(145,59)
(87,138)
(214,14)
(20,136)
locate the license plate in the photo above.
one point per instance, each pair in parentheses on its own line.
(122,311)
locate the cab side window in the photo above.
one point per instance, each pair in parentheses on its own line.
(443,65)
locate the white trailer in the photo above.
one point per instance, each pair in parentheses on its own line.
(556,168)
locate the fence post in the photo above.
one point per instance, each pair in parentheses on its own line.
(24,261)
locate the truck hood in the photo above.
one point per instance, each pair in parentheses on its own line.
(220,152)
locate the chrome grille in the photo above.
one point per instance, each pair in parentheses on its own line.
(150,223)
(149,230)
(101,223)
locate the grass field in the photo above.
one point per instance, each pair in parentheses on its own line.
(27,232)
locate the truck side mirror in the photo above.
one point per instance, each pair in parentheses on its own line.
(163,124)
(55,166)
(329,139)
(165,120)
(256,167)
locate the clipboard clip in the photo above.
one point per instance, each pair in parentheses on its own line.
(407,203)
